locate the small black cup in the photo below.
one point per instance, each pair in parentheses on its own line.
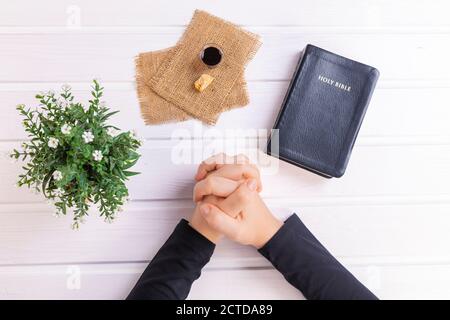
(211,55)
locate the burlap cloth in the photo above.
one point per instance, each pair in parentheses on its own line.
(155,109)
(165,79)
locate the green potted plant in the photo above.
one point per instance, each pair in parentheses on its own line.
(73,157)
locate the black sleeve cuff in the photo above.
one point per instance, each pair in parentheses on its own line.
(196,240)
(176,266)
(283,237)
(308,266)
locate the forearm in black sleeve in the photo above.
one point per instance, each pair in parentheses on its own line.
(175,267)
(308,266)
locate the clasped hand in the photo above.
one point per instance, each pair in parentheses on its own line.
(228,202)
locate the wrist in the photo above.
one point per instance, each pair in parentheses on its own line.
(200,225)
(268,230)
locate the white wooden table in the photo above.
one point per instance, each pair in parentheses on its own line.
(387,219)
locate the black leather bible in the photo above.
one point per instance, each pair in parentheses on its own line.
(322,112)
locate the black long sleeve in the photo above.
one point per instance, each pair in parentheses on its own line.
(175,267)
(308,266)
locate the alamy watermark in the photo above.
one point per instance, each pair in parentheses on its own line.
(73,280)
(73,20)
(200,143)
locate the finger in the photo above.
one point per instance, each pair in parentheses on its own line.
(239,199)
(220,221)
(239,171)
(214,185)
(216,162)
(212,200)
(237,159)
(211,164)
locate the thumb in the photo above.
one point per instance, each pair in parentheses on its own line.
(219,220)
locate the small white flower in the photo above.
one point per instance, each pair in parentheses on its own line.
(112,132)
(97,155)
(51,93)
(53,143)
(88,136)
(86,108)
(58,192)
(66,87)
(65,129)
(57,175)
(125,199)
(51,118)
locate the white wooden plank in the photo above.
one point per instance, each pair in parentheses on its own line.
(106,281)
(283,12)
(115,281)
(168,167)
(387,219)
(392,112)
(406,282)
(111,56)
(365,232)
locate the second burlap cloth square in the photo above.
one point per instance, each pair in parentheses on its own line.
(165,78)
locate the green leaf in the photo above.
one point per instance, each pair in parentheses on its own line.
(130,173)
(106,116)
(130,164)
(119,172)
(45,182)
